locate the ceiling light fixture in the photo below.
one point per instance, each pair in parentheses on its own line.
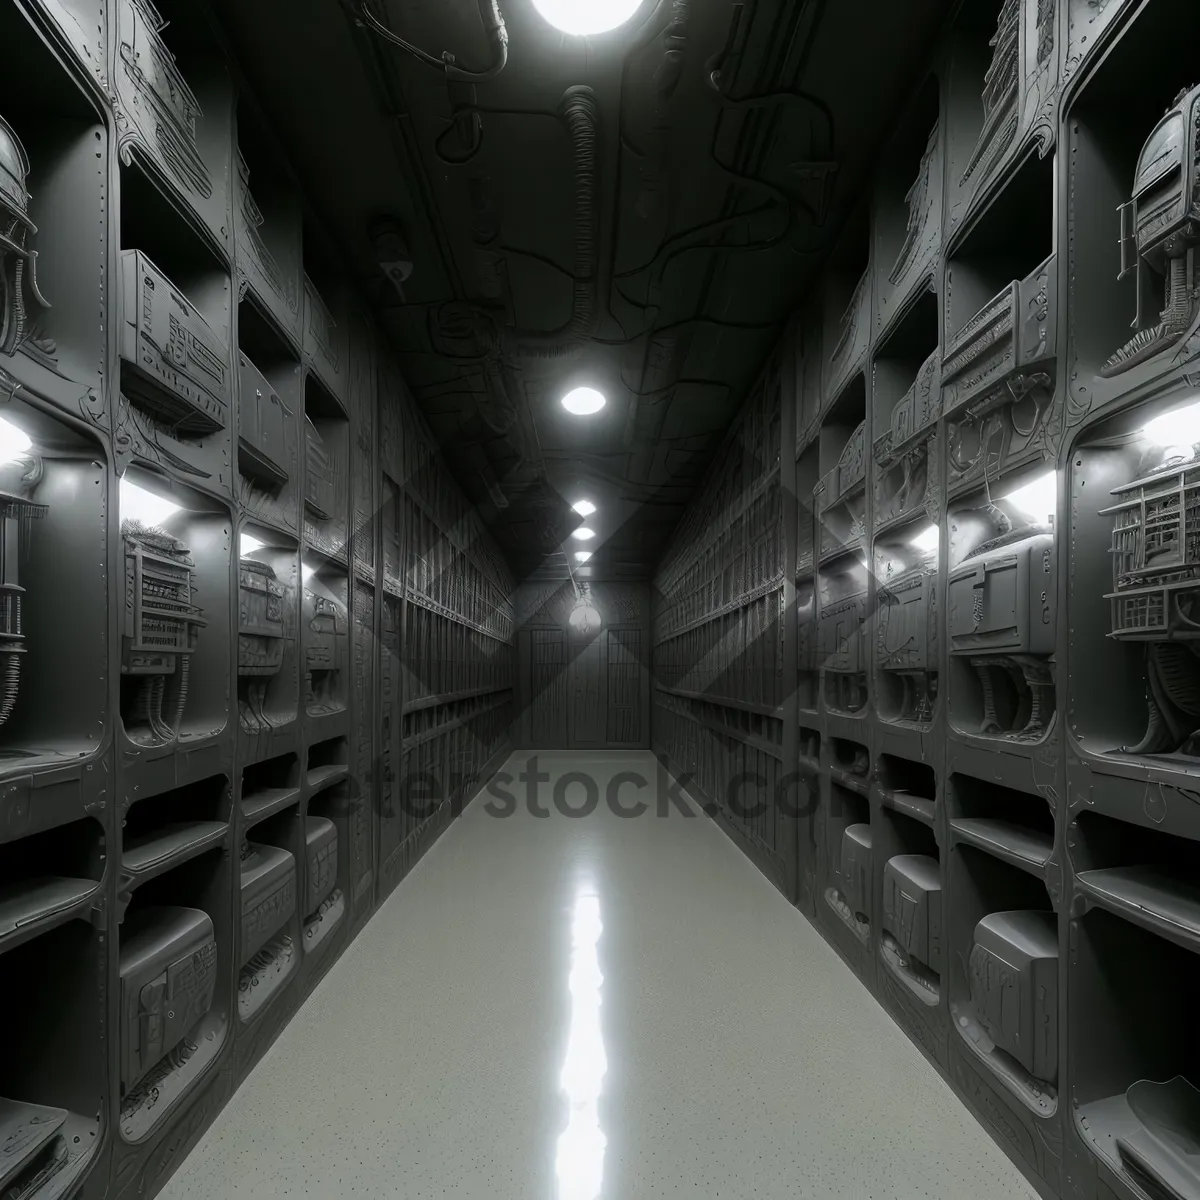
(582,555)
(584,508)
(1038,499)
(582,402)
(583,533)
(138,504)
(583,17)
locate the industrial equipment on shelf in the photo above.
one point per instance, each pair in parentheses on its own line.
(260,639)
(18,258)
(1156,598)
(159,631)
(1160,231)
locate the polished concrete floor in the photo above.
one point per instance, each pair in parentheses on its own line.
(592,1008)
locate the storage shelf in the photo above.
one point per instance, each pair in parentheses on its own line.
(763,589)
(1025,848)
(1149,897)
(167,847)
(422,601)
(35,906)
(762,710)
(319,778)
(917,807)
(260,805)
(454,697)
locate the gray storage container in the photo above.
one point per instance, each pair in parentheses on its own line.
(912,888)
(321,841)
(168,976)
(1014,987)
(268,895)
(856,869)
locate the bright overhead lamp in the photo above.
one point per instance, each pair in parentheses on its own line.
(1038,499)
(1179,428)
(583,17)
(584,508)
(247,545)
(582,402)
(138,504)
(927,539)
(582,555)
(583,533)
(306,572)
(13,441)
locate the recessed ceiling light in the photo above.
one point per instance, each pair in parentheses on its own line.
(582,555)
(247,545)
(583,533)
(583,402)
(584,508)
(582,17)
(13,441)
(138,504)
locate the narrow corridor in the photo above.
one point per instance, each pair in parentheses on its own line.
(576,1008)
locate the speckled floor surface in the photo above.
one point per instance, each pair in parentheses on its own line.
(592,1008)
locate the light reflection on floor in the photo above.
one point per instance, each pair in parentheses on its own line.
(579,1163)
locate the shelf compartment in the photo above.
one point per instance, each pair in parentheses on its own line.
(326,430)
(57,498)
(268,631)
(326,638)
(49,878)
(846,844)
(1001,618)
(61,140)
(173,1010)
(908,787)
(52,1077)
(847,291)
(1143,876)
(1133,1067)
(1009,824)
(1132,544)
(1004,972)
(176,99)
(1118,113)
(328,867)
(268,787)
(911,942)
(328,763)
(174,654)
(840,498)
(841,641)
(161,832)
(907,625)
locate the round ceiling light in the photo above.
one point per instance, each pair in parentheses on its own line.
(583,17)
(583,401)
(584,508)
(583,533)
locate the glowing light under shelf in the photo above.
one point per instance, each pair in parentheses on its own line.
(306,572)
(14,441)
(1178,430)
(583,533)
(928,539)
(138,504)
(1038,499)
(582,555)
(584,508)
(247,545)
